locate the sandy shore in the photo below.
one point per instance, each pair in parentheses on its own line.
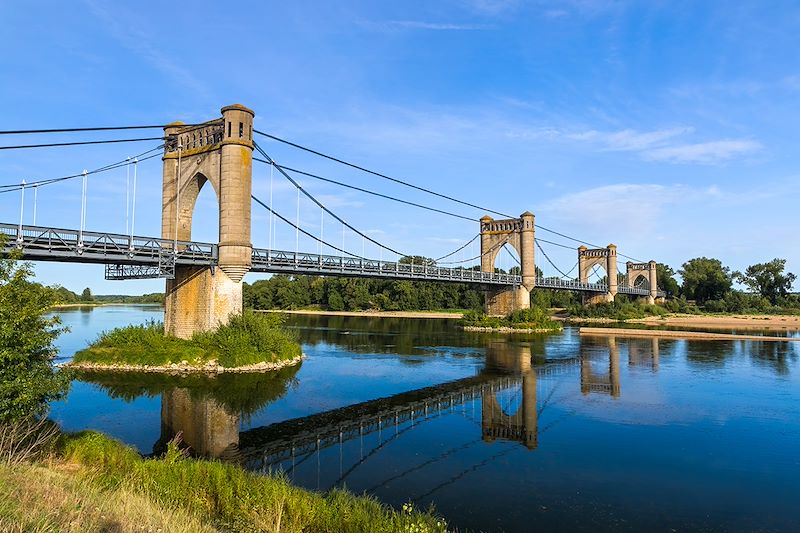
(774,322)
(182,369)
(376,314)
(693,335)
(506,329)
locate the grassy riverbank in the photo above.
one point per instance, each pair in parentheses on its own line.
(248,339)
(93,483)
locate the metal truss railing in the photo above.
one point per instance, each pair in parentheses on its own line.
(133,257)
(275,261)
(36,243)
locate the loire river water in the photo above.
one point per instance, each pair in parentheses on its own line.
(553,432)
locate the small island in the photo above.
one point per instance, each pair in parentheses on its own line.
(532,320)
(250,342)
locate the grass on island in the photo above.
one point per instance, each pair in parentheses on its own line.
(617,310)
(91,482)
(535,318)
(248,339)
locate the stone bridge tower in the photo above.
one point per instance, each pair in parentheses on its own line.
(599,257)
(519,233)
(220,152)
(647,271)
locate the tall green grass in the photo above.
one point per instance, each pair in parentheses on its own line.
(235,499)
(247,339)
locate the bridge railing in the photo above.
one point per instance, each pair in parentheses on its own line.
(42,242)
(281,261)
(159,257)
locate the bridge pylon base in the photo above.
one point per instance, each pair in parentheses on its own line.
(592,299)
(504,301)
(200,299)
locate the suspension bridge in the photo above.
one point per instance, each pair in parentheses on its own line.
(204,280)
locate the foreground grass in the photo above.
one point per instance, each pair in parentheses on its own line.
(59,498)
(176,493)
(248,339)
(533,318)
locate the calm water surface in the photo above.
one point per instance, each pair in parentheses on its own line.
(544,433)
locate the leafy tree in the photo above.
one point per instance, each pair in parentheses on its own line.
(416,260)
(767,279)
(86,295)
(28,380)
(665,279)
(705,279)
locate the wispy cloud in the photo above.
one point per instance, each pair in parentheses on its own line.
(657,145)
(704,153)
(629,140)
(129,31)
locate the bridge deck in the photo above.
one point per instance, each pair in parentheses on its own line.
(129,257)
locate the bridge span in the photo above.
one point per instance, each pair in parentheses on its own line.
(137,257)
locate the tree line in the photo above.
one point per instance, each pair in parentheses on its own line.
(709,284)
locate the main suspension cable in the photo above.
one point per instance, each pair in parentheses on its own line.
(101,128)
(367,191)
(458,249)
(548,258)
(417,187)
(301,230)
(313,199)
(141,157)
(378,174)
(80,143)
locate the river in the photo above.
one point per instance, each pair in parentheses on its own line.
(547,432)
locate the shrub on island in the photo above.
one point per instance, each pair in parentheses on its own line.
(533,319)
(247,339)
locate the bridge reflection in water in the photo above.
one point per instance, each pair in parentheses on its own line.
(504,392)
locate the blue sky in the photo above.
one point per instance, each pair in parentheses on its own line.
(667,128)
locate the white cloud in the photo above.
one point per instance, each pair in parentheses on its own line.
(607,206)
(628,139)
(705,153)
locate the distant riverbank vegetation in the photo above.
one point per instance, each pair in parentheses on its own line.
(248,339)
(65,296)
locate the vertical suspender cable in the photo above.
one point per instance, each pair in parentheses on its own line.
(342,235)
(35,201)
(127,194)
(297,227)
(133,200)
(83,208)
(321,229)
(271,215)
(21,210)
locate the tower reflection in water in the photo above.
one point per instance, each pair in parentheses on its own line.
(207,411)
(208,428)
